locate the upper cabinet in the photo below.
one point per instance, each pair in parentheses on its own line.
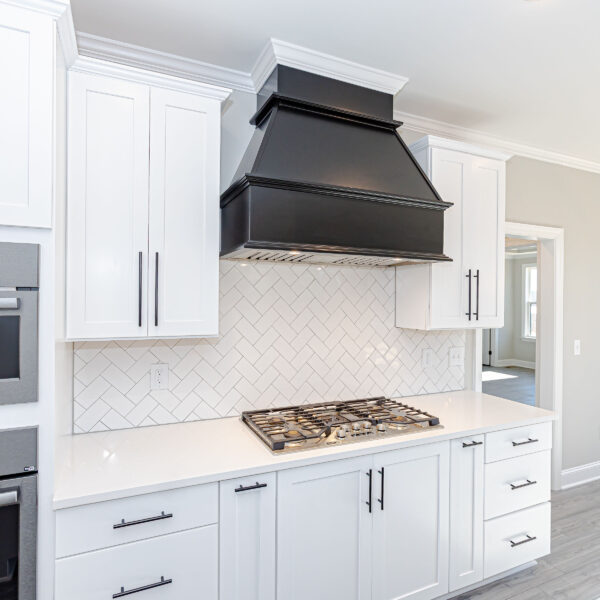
(469,291)
(143,210)
(27,45)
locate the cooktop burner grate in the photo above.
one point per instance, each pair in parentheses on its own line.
(332,423)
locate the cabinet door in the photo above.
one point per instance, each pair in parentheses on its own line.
(466,511)
(449,286)
(107,207)
(247,538)
(324,531)
(484,239)
(26,117)
(184,215)
(410,523)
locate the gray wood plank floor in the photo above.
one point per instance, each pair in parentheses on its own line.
(572,570)
(519,385)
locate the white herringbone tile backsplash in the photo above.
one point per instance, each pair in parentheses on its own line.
(289,334)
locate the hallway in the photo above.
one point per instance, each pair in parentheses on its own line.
(513,383)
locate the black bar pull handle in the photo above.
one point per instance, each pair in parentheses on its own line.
(528,538)
(143,588)
(247,488)
(382,473)
(125,523)
(527,441)
(477,296)
(469,277)
(370,500)
(518,486)
(156,289)
(140,274)
(471,444)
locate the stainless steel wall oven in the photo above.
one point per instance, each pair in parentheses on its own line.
(18,513)
(19,289)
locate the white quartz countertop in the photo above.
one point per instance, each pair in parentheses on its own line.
(102,466)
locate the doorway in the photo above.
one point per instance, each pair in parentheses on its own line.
(509,353)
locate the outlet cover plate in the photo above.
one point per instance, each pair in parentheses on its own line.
(159,377)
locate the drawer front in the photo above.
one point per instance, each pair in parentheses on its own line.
(516,539)
(516,483)
(179,566)
(518,441)
(144,516)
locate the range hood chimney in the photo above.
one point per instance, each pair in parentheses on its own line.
(327,179)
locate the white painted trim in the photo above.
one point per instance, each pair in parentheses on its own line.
(54,8)
(319,63)
(517,255)
(579,475)
(513,362)
(433,141)
(426,125)
(94,46)
(96,66)
(524,268)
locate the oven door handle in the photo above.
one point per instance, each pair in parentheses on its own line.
(9,303)
(8,498)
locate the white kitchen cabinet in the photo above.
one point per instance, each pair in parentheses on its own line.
(466,511)
(184,214)
(247,538)
(324,531)
(469,291)
(27,46)
(410,523)
(143,202)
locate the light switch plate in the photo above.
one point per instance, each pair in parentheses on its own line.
(159,377)
(427,357)
(577,347)
(456,357)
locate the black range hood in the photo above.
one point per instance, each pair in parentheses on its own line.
(327,179)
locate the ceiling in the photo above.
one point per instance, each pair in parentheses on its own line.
(526,71)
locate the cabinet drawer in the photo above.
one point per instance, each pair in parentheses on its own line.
(144,516)
(172,567)
(516,539)
(518,441)
(517,483)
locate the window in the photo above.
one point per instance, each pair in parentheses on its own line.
(529,301)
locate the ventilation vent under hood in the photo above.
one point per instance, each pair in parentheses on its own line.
(327,179)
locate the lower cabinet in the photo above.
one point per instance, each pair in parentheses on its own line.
(466,510)
(178,566)
(247,538)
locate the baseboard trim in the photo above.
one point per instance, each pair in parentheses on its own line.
(514,362)
(579,475)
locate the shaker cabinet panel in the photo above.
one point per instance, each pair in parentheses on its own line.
(107,207)
(26,117)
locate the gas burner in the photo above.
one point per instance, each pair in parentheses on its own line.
(333,423)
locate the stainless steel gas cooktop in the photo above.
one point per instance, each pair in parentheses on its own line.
(333,423)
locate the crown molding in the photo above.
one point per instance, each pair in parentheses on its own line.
(96,66)
(433,127)
(53,8)
(433,141)
(283,53)
(101,48)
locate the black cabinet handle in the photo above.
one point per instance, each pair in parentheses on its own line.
(529,538)
(125,523)
(382,473)
(156,290)
(139,289)
(256,486)
(518,486)
(370,500)
(477,296)
(471,444)
(143,588)
(469,276)
(528,441)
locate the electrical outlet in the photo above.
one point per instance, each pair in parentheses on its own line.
(159,377)
(577,347)
(456,357)
(427,357)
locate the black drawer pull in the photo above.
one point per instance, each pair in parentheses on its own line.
(518,486)
(256,486)
(528,538)
(160,517)
(150,586)
(370,500)
(527,441)
(471,444)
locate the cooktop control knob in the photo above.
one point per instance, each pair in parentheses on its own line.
(356,426)
(367,425)
(341,432)
(380,426)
